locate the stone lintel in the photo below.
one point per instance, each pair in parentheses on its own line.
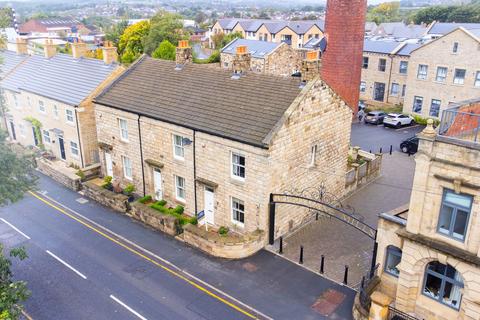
(154,163)
(456,181)
(207,182)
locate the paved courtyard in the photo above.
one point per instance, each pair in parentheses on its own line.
(340,243)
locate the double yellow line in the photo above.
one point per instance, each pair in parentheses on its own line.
(138,253)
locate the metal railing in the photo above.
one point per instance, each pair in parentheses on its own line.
(394,314)
(460,125)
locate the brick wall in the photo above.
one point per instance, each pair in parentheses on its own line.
(342,60)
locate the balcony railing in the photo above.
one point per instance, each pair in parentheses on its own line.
(460,124)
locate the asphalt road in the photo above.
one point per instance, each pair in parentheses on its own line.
(87,262)
(373,137)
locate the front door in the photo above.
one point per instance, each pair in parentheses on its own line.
(109,164)
(35,140)
(61,144)
(379,91)
(209,205)
(12,127)
(157,181)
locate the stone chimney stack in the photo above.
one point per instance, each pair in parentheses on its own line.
(241,60)
(183,53)
(342,59)
(49,48)
(21,46)
(79,49)
(311,66)
(109,52)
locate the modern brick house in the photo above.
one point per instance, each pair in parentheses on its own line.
(56,92)
(265,57)
(220,141)
(428,251)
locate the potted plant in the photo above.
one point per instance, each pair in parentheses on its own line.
(128,191)
(223,231)
(107,183)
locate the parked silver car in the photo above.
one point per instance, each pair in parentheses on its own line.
(375,117)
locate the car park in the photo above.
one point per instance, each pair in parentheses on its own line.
(375,117)
(397,120)
(410,145)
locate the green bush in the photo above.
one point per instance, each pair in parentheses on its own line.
(176,212)
(145,199)
(129,189)
(162,202)
(223,231)
(423,121)
(81,174)
(107,182)
(179,209)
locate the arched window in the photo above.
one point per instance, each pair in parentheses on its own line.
(443,283)
(392,260)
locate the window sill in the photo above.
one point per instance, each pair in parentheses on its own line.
(178,159)
(238,224)
(180,200)
(237,181)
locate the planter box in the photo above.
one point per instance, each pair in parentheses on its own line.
(231,246)
(116,201)
(151,217)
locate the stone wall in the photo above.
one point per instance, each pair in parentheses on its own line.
(151,217)
(316,125)
(116,201)
(63,175)
(231,246)
(361,174)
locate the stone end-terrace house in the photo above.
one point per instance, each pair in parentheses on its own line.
(213,140)
(56,91)
(264,57)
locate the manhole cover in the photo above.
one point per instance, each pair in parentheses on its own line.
(328,302)
(250,267)
(82,200)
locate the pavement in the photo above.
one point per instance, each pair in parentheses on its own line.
(340,243)
(88,262)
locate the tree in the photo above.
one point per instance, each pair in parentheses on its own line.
(385,12)
(12,293)
(130,45)
(17,174)
(460,13)
(116,31)
(5,17)
(166,50)
(164,26)
(200,17)
(220,40)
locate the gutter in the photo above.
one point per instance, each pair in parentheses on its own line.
(195,173)
(79,139)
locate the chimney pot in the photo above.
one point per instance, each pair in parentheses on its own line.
(242,60)
(241,49)
(312,55)
(183,44)
(183,54)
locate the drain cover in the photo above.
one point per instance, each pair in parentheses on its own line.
(250,267)
(328,302)
(82,200)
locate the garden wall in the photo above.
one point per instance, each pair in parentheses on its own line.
(151,217)
(116,201)
(63,175)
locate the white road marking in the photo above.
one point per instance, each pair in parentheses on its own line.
(127,307)
(67,265)
(14,228)
(160,259)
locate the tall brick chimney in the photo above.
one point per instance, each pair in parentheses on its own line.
(241,60)
(342,59)
(79,49)
(21,46)
(183,53)
(49,48)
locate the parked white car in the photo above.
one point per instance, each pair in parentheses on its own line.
(397,120)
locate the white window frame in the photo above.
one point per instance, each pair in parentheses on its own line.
(72,116)
(75,154)
(432,103)
(238,166)
(42,108)
(395,93)
(442,79)
(123,130)
(235,210)
(46,137)
(179,188)
(180,147)
(476,83)
(405,69)
(21,128)
(459,81)
(55,111)
(363,86)
(421,75)
(127,168)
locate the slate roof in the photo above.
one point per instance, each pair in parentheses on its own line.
(60,78)
(385,47)
(257,48)
(203,98)
(401,30)
(273,26)
(446,27)
(8,61)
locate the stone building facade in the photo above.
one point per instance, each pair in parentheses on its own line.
(444,71)
(64,112)
(279,59)
(428,252)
